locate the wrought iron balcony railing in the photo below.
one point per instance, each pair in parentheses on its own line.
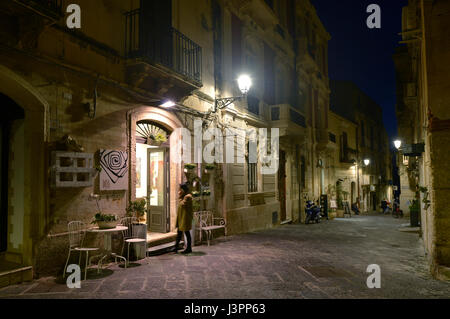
(168,47)
(48,8)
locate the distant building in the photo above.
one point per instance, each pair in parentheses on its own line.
(364,137)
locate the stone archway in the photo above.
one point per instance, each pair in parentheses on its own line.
(169,121)
(32,211)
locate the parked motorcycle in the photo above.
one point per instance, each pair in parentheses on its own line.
(312,212)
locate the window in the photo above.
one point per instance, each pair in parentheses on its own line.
(332,137)
(253,104)
(252,174)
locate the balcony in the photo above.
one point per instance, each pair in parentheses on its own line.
(51,9)
(166,62)
(287,119)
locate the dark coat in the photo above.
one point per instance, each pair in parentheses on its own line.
(185,213)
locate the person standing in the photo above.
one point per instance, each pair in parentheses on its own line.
(185,214)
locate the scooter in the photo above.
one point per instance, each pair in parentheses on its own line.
(312,212)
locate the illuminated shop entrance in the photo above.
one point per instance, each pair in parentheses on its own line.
(152,173)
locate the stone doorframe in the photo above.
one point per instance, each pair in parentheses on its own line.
(36,192)
(169,121)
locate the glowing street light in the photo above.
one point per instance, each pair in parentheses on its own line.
(367,162)
(397,144)
(168,103)
(244,84)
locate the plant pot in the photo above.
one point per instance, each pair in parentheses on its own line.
(106,225)
(414,217)
(154,143)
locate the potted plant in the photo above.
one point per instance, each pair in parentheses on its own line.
(189,167)
(105,221)
(414,213)
(156,140)
(137,208)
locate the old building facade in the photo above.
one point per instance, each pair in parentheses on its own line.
(100,94)
(361,136)
(423,114)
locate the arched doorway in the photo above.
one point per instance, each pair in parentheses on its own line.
(11,171)
(153,172)
(24,199)
(153,165)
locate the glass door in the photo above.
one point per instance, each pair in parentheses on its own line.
(158,190)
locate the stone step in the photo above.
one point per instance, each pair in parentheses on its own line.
(16,276)
(162,239)
(162,248)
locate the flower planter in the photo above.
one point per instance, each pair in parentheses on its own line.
(414,217)
(154,143)
(106,225)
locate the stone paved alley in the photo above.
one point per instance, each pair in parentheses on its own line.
(328,260)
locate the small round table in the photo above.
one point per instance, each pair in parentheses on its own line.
(107,242)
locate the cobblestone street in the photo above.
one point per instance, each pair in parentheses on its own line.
(327,260)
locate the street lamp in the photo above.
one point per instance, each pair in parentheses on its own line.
(244,84)
(397,144)
(168,103)
(366,162)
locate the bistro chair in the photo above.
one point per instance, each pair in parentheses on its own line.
(77,232)
(130,235)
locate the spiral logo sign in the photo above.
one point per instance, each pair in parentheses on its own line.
(114,174)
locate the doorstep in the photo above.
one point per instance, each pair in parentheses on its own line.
(15,275)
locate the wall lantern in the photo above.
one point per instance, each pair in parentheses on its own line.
(367,162)
(244,84)
(397,144)
(168,103)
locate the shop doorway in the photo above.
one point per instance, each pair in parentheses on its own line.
(153,173)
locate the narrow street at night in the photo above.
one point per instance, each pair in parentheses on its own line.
(169,152)
(326,260)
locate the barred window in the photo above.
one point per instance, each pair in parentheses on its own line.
(252,174)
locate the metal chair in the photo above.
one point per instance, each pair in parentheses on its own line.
(77,232)
(130,235)
(207,223)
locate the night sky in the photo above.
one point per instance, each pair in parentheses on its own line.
(362,55)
